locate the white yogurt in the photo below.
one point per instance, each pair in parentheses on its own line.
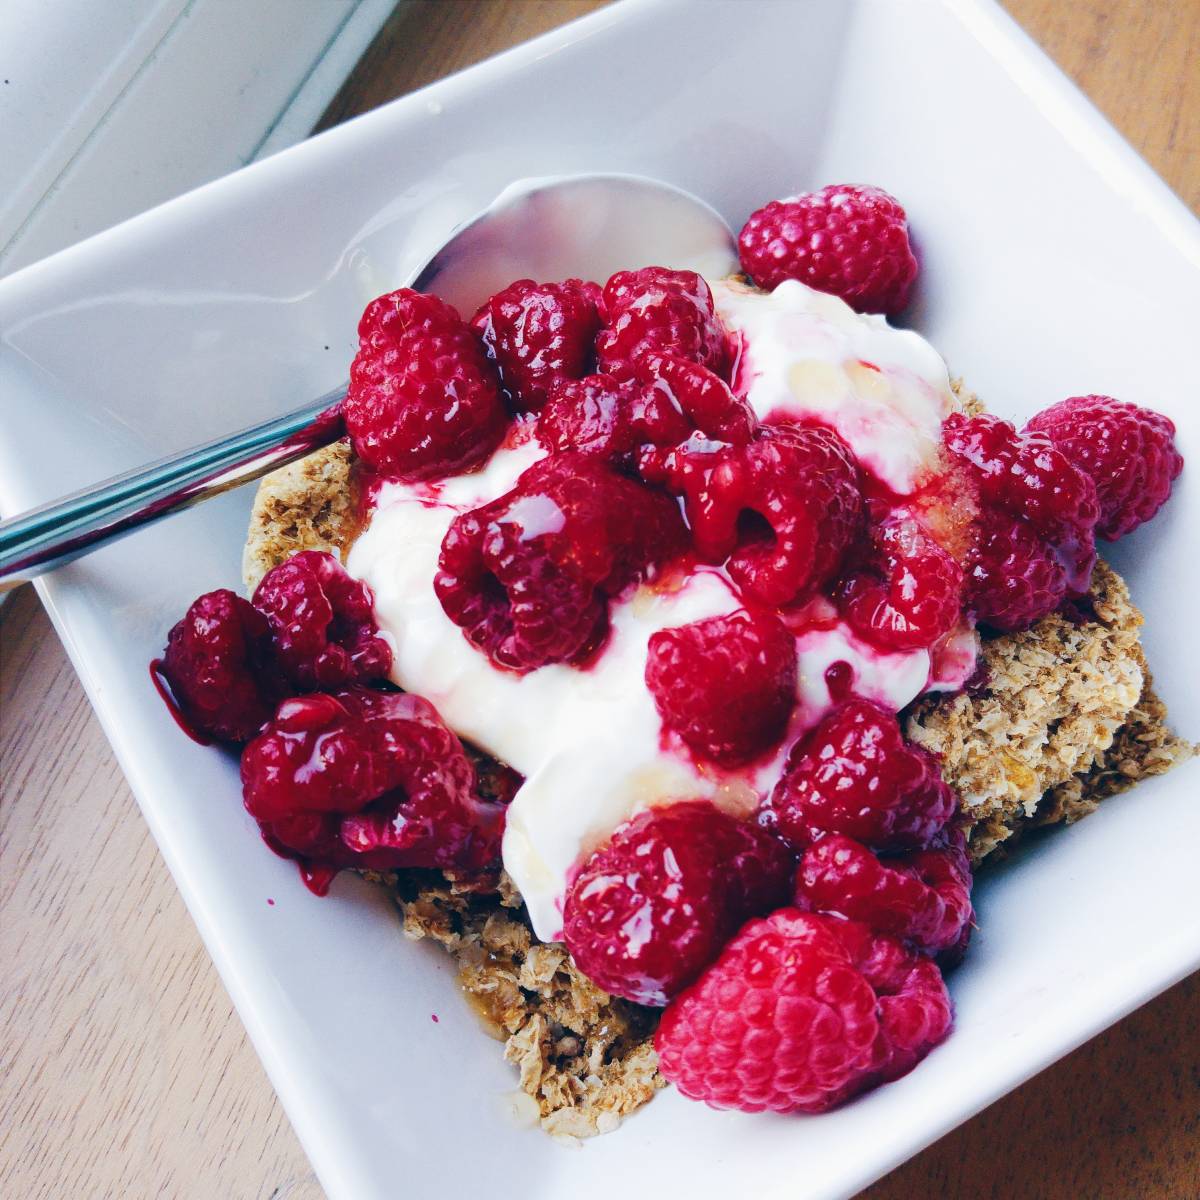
(885,391)
(589,743)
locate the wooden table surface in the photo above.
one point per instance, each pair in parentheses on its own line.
(124,1071)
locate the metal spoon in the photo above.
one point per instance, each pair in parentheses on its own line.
(546,229)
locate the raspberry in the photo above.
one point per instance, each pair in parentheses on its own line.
(219,664)
(914,1008)
(797,507)
(845,239)
(916,596)
(705,397)
(598,415)
(922,898)
(854,774)
(726,685)
(632,289)
(1013,577)
(671,400)
(1128,451)
(1026,476)
(538,333)
(658,310)
(527,576)
(652,908)
(360,778)
(424,401)
(323,623)
(799,1013)
(784,509)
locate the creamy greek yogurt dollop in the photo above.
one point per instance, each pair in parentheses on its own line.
(809,355)
(589,742)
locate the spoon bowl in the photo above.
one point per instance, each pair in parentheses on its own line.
(583,226)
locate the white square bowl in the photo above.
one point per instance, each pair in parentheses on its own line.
(1055,263)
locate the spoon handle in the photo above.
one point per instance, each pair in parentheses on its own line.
(56,533)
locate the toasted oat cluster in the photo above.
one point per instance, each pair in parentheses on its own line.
(586,1059)
(1065,715)
(1033,745)
(307,505)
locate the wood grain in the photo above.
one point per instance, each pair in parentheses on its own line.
(124,1071)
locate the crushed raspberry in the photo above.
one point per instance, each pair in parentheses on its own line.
(653,907)
(598,415)
(726,685)
(323,624)
(849,240)
(1026,476)
(538,333)
(946,506)
(361,778)
(922,898)
(1129,453)
(219,664)
(704,397)
(1013,577)
(799,1013)
(854,774)
(527,576)
(783,509)
(913,596)
(424,400)
(657,310)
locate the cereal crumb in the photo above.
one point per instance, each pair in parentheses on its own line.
(583,1057)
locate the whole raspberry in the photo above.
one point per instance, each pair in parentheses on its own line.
(799,1013)
(704,397)
(655,309)
(1128,451)
(424,400)
(922,898)
(538,333)
(854,774)
(846,239)
(527,576)
(912,598)
(783,509)
(726,685)
(1013,577)
(219,664)
(598,415)
(633,289)
(1026,476)
(360,778)
(653,907)
(914,1008)
(322,622)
